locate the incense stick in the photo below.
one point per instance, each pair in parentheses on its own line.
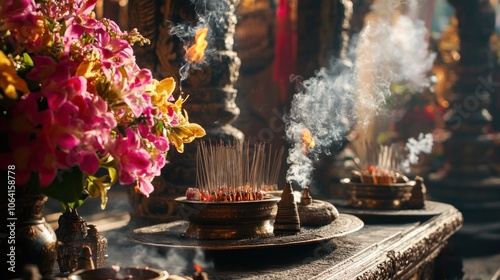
(380,159)
(225,168)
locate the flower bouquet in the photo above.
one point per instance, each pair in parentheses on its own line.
(78,113)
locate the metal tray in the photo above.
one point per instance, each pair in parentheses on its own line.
(431,208)
(170,235)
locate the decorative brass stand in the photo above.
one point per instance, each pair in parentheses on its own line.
(210,88)
(469,183)
(73,235)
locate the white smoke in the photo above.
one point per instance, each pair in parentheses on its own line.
(415,147)
(323,107)
(175,261)
(391,48)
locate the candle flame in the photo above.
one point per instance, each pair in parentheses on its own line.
(196,52)
(307,141)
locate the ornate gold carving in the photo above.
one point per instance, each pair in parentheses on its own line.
(143,16)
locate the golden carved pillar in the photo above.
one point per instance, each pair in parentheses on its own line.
(468,181)
(210,85)
(323,32)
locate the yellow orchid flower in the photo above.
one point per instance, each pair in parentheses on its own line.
(185,133)
(166,85)
(90,67)
(10,82)
(160,92)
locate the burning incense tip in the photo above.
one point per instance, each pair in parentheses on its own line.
(196,52)
(307,141)
(199,274)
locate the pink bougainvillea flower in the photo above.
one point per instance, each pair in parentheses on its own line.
(89,162)
(49,73)
(85,102)
(84,7)
(145,185)
(161,143)
(68,141)
(12,8)
(130,157)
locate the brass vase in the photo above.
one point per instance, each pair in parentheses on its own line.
(33,239)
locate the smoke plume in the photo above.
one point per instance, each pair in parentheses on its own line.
(391,48)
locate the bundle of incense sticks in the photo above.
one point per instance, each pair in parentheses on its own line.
(380,163)
(237,167)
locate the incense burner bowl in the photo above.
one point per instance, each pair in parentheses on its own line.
(228,220)
(124,273)
(382,196)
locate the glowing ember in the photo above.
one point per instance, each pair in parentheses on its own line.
(378,175)
(198,268)
(196,52)
(223,195)
(307,141)
(199,274)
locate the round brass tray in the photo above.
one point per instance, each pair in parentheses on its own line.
(169,235)
(431,208)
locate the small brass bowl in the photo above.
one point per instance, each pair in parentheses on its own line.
(228,220)
(124,273)
(378,196)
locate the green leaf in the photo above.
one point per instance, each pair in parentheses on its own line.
(66,187)
(27,60)
(76,204)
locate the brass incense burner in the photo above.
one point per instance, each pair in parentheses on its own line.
(379,182)
(228,220)
(392,196)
